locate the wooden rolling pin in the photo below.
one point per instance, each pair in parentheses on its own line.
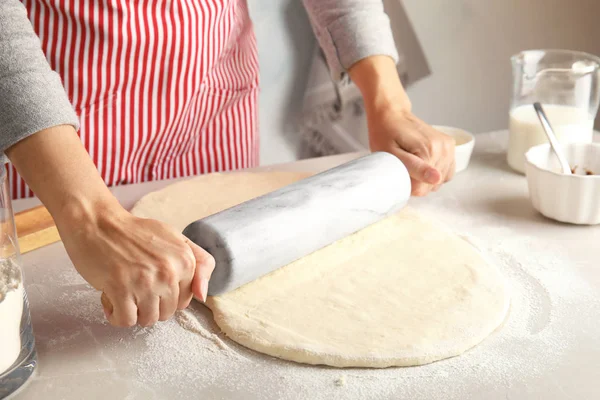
(35,229)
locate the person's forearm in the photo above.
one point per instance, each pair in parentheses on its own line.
(60,172)
(379,83)
(427,154)
(145,269)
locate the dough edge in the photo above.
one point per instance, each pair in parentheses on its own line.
(238,334)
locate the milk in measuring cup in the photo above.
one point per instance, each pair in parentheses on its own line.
(570,124)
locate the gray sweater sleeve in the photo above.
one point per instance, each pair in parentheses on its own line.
(32,97)
(350,30)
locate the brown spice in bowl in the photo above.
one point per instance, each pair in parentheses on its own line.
(588,172)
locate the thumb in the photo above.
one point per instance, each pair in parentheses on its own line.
(205,265)
(418,168)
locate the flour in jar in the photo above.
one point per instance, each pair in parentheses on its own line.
(11,310)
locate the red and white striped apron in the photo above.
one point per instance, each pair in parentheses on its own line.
(163,89)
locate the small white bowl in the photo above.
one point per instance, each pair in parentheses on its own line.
(567,198)
(464,145)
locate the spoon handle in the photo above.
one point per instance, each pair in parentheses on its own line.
(564,164)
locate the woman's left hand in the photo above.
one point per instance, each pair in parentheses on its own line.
(427,153)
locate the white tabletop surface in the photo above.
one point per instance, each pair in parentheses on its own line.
(549,347)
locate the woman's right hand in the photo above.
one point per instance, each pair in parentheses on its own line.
(145,269)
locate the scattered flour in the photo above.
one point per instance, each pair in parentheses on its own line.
(84,303)
(190,354)
(531,342)
(188,322)
(341,381)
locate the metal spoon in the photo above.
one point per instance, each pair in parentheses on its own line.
(564,164)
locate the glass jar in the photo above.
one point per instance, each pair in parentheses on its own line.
(566,83)
(17,346)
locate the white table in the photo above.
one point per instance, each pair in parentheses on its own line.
(549,347)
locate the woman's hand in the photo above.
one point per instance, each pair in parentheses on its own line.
(427,153)
(145,269)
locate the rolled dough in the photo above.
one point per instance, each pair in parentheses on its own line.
(401,292)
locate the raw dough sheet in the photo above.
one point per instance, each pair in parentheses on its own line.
(401,292)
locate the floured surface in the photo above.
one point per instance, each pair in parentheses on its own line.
(170,360)
(401,292)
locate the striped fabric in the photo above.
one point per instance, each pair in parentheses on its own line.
(164,89)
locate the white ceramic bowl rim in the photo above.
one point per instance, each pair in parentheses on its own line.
(546,147)
(456,132)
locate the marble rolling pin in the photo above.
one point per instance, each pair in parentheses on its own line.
(256,237)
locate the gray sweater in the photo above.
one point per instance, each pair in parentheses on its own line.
(32,97)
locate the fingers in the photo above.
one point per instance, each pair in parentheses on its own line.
(185,295)
(451,170)
(422,175)
(205,265)
(420,189)
(430,164)
(168,305)
(124,310)
(152,274)
(176,277)
(446,156)
(106,305)
(185,284)
(148,310)
(163,285)
(418,168)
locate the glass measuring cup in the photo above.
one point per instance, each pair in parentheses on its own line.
(567,84)
(17,346)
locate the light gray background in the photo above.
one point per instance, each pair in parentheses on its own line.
(468,44)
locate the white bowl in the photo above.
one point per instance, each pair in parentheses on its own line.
(566,198)
(464,145)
